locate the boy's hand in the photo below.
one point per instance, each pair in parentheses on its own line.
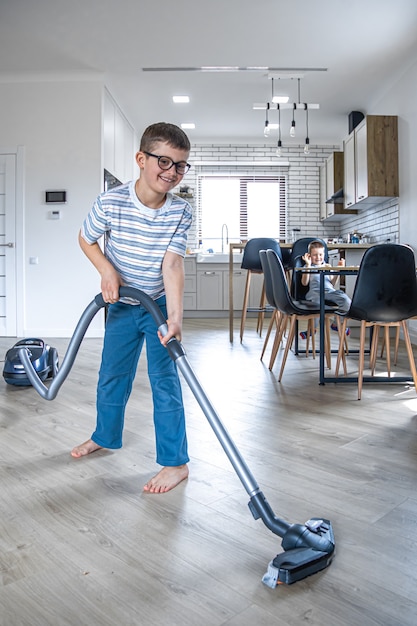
(110,283)
(174,330)
(307,259)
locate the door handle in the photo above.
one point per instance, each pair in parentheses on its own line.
(7,245)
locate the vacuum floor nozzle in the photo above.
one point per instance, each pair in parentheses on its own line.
(297,563)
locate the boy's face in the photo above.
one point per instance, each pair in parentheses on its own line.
(158,179)
(317,256)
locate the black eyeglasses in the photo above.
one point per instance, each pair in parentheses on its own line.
(165,163)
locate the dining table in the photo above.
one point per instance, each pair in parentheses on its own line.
(345,248)
(340,271)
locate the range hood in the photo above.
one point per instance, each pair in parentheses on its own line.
(336,198)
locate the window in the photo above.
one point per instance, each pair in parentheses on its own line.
(250,206)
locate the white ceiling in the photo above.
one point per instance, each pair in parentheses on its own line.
(364,44)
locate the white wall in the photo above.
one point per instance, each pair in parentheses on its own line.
(401,100)
(60,126)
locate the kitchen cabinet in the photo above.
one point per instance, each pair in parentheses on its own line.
(349,183)
(322,192)
(209,289)
(374,172)
(331,181)
(239,283)
(119,142)
(334,186)
(334,180)
(190,284)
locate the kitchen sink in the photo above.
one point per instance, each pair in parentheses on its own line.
(217,257)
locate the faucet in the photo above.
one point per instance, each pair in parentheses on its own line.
(225,228)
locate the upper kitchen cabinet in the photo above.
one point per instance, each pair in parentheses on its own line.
(322,194)
(371,162)
(119,141)
(334,177)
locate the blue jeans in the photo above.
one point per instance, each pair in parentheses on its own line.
(127,326)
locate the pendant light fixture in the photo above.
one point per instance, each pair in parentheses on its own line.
(292,129)
(278,102)
(279,145)
(307,141)
(266,127)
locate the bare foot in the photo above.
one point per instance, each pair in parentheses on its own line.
(166,479)
(85,448)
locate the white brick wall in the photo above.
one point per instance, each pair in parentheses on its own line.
(380,224)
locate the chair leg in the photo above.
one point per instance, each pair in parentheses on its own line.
(341,353)
(388,350)
(374,348)
(245,305)
(261,313)
(312,331)
(275,319)
(278,338)
(397,344)
(361,358)
(290,338)
(327,342)
(308,335)
(409,348)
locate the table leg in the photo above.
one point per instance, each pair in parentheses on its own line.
(231,294)
(322,343)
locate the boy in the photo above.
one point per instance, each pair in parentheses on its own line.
(145,229)
(315,258)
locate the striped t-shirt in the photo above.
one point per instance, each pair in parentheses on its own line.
(136,238)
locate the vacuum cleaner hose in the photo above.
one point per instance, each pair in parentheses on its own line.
(50,393)
(316,534)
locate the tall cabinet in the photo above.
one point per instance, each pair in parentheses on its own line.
(119,142)
(371,162)
(331,188)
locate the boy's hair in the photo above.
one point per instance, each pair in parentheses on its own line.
(166,133)
(315,244)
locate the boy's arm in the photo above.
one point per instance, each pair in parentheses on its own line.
(110,279)
(173,276)
(334,279)
(305,276)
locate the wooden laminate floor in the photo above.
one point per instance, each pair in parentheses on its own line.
(81,544)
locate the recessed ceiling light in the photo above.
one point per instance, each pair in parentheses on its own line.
(280,99)
(187,126)
(180,99)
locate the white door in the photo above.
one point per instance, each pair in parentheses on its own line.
(8,318)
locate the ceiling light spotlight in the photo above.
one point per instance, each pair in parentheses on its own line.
(180,99)
(188,126)
(280,99)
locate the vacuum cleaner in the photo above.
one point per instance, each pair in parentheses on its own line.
(308,548)
(44,360)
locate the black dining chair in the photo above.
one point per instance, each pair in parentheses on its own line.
(292,311)
(385,294)
(252,263)
(277,316)
(299,248)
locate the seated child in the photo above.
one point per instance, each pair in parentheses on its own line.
(315,258)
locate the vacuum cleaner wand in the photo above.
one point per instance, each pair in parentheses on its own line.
(308,547)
